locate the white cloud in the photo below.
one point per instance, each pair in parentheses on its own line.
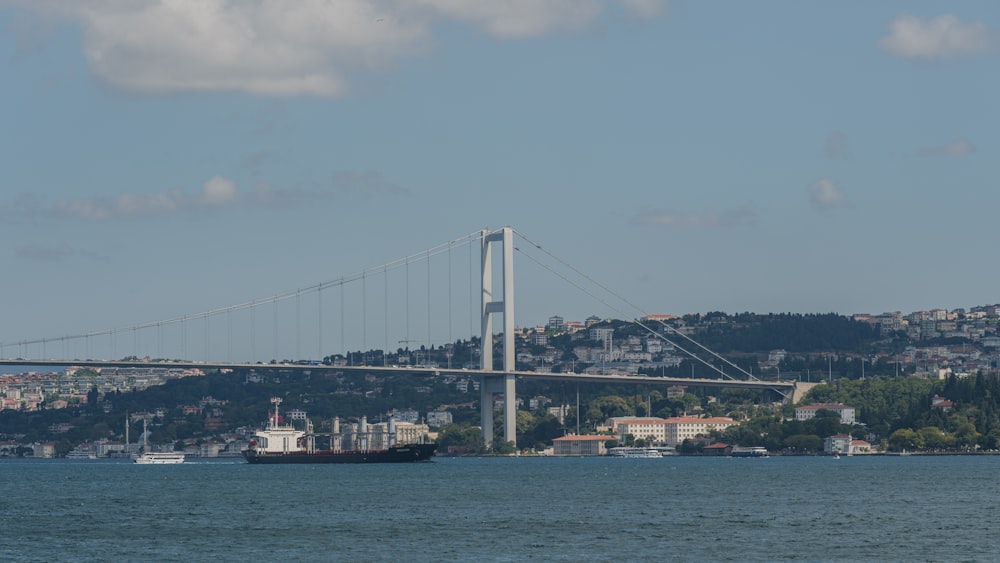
(825,194)
(346,183)
(277,47)
(142,204)
(215,193)
(218,191)
(939,38)
(959,147)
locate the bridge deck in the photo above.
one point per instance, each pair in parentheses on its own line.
(782,386)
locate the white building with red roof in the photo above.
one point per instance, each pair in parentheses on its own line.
(680,428)
(644,428)
(845,444)
(941,403)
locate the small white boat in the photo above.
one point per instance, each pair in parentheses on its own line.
(635,452)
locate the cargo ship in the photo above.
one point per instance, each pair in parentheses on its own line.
(283,443)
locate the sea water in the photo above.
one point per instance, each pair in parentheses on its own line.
(915,508)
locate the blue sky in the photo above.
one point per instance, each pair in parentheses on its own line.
(165,158)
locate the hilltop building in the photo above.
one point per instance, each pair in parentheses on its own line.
(808,412)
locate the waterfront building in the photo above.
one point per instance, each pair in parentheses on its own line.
(654,429)
(680,428)
(580,445)
(410,433)
(845,444)
(717,449)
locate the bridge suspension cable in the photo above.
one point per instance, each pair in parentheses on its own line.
(625,314)
(470,239)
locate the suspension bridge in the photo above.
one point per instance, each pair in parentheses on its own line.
(397,305)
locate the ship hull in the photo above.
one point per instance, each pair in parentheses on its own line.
(396,454)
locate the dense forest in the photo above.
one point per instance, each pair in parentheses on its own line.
(751,332)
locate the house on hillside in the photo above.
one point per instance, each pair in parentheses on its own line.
(845,444)
(808,412)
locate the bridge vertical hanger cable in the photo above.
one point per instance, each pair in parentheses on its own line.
(253,331)
(407,289)
(428,303)
(319,310)
(472,302)
(298,327)
(364,314)
(274,332)
(343,350)
(449,297)
(385,314)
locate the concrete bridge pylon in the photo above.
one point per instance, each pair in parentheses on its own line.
(503,382)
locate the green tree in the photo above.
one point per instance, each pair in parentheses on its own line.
(934,438)
(966,435)
(460,435)
(608,406)
(690,401)
(504,448)
(905,439)
(689,447)
(804,443)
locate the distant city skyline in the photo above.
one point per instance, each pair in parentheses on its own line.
(169,158)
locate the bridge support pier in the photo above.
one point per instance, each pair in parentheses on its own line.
(492,385)
(500,383)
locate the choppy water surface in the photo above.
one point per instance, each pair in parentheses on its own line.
(506,509)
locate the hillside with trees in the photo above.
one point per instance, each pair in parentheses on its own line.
(862,366)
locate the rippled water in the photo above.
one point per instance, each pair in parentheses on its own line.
(506,509)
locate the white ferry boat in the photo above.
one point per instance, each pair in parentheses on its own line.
(159,458)
(749,452)
(156,458)
(622,451)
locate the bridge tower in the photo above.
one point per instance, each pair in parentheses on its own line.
(502,382)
